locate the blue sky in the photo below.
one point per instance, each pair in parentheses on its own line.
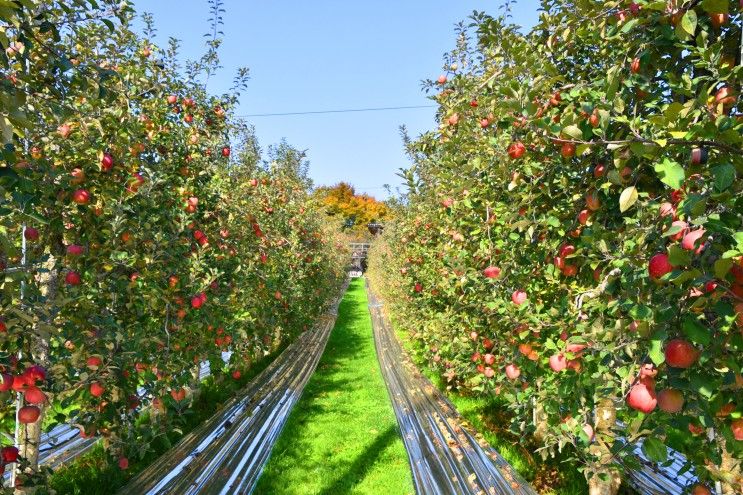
(332,54)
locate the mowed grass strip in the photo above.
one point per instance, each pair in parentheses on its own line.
(342,436)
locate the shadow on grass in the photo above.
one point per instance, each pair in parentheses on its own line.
(358,469)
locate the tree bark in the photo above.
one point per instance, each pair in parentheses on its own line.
(602,477)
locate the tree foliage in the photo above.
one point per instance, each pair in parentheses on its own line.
(141,230)
(356,210)
(573,239)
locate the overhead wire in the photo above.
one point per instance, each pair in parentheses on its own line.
(346,110)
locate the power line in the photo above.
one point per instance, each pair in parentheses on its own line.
(348,110)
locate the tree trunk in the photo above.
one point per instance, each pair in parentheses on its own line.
(603,479)
(730,471)
(28,439)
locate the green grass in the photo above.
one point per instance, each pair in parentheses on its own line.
(342,436)
(488,416)
(96,473)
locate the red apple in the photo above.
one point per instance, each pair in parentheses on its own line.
(719,20)
(72,278)
(489,359)
(659,265)
(33,395)
(567,150)
(75,250)
(667,210)
(22,382)
(64,130)
(123,463)
(178,395)
(441,79)
(418,287)
(700,489)
(453,119)
(96,389)
(518,297)
(599,170)
(7,382)
(28,414)
(588,430)
(691,239)
(642,396)
(634,66)
(491,272)
(592,201)
(226,151)
(737,427)
(81,197)
(558,362)
(725,96)
(583,217)
(670,400)
(236,375)
(9,454)
(570,270)
(94,362)
(489,372)
(512,371)
(31,234)
(699,156)
(516,150)
(107,162)
(172,99)
(35,373)
(680,353)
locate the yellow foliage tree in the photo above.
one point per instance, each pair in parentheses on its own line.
(356,210)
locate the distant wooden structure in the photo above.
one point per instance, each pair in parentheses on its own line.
(359,251)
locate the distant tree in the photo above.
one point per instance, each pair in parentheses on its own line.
(356,210)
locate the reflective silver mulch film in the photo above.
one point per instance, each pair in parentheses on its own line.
(226,454)
(444,456)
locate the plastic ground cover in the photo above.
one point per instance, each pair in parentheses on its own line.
(439,425)
(226,454)
(445,457)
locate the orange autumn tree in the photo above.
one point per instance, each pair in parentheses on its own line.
(356,210)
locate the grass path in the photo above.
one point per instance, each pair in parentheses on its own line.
(342,436)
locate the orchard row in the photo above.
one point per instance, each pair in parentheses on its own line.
(572,240)
(141,233)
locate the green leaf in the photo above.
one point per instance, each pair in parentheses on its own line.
(715,6)
(678,256)
(655,353)
(654,449)
(627,198)
(701,384)
(696,332)
(573,131)
(689,22)
(673,230)
(722,267)
(670,172)
(629,25)
(724,175)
